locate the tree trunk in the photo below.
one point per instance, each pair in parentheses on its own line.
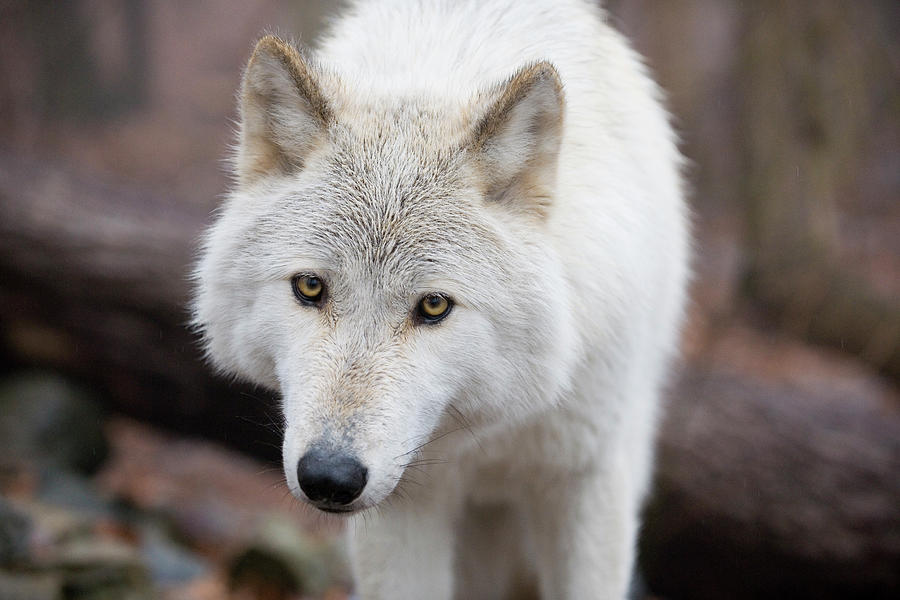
(809,81)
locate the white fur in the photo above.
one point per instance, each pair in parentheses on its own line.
(537,396)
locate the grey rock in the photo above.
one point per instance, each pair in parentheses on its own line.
(283,555)
(14,530)
(67,489)
(168,563)
(45,419)
(22,586)
(95,569)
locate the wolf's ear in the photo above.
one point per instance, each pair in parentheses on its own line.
(283,112)
(517,139)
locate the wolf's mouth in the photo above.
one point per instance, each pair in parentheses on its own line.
(334,510)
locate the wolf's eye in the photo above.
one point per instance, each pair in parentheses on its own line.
(434,307)
(308,289)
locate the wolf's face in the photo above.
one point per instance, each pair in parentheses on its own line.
(382,264)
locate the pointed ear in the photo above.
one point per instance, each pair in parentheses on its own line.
(283,113)
(517,139)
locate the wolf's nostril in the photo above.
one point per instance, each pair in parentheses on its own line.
(332,478)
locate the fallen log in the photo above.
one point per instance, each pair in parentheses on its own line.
(767,490)
(95,283)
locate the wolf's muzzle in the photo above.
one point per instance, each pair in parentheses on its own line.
(331,481)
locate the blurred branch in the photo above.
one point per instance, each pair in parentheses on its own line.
(806,105)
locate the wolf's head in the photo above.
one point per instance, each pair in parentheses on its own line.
(382,262)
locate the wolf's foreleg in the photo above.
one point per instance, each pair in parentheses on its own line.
(583,535)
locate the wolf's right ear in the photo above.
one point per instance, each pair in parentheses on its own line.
(518,136)
(283,112)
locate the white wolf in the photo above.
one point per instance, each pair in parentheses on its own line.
(457,246)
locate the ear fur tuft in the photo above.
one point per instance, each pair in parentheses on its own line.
(517,139)
(283,111)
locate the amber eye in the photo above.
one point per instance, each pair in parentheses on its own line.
(308,289)
(434,307)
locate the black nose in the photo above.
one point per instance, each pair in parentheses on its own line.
(336,479)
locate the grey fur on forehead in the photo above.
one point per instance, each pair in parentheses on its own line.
(401,155)
(391,212)
(375,203)
(425,121)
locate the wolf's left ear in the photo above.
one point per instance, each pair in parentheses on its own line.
(283,112)
(517,139)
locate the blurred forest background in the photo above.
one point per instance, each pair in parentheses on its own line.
(779,469)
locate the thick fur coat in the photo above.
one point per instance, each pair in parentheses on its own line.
(510,161)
